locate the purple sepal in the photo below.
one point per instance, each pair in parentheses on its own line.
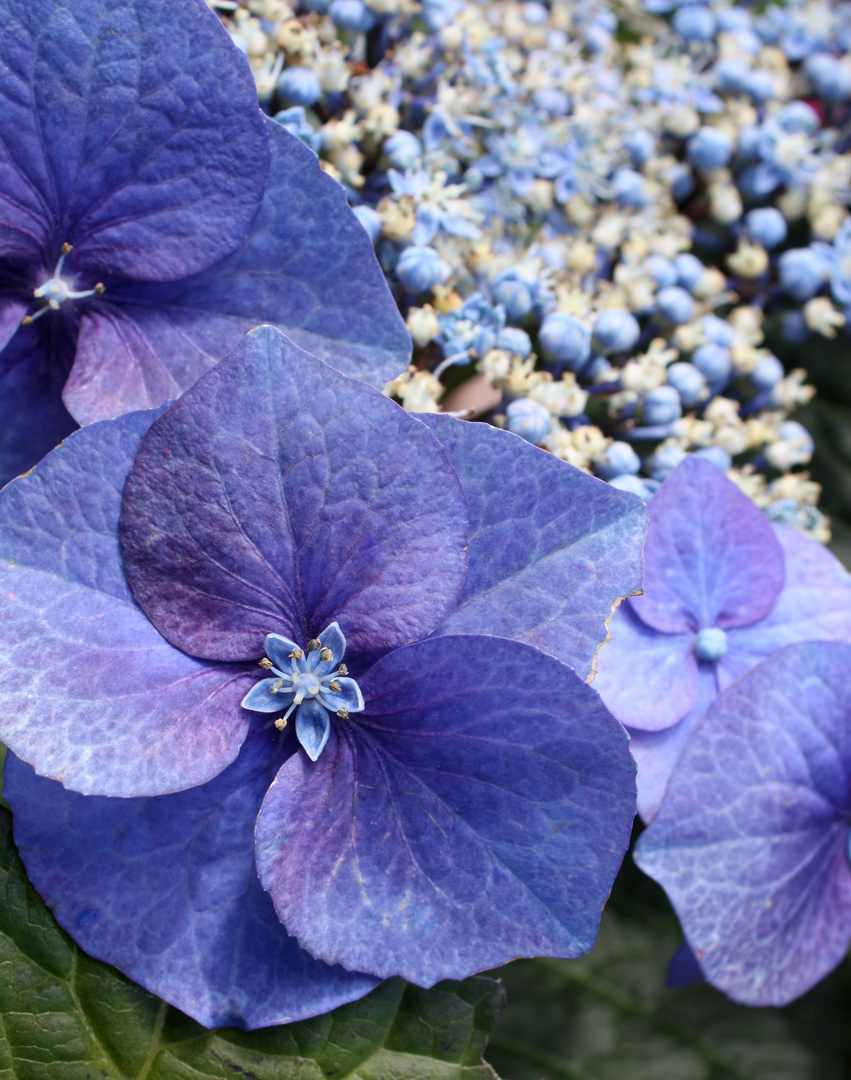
(477,810)
(130,131)
(711,557)
(307,266)
(33,419)
(683,969)
(552,550)
(90,694)
(815,605)
(166,889)
(656,753)
(267,500)
(751,843)
(647,679)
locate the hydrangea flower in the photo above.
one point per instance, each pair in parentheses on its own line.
(475,808)
(751,844)
(151,216)
(724,588)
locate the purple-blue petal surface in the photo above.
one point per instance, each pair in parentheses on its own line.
(128,129)
(307,267)
(277,496)
(477,810)
(552,550)
(33,419)
(656,753)
(815,605)
(166,889)
(751,843)
(90,694)
(647,679)
(711,557)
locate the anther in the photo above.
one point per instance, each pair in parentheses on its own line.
(343,669)
(276,686)
(297,654)
(265,663)
(343,714)
(281,723)
(314,690)
(314,644)
(100,289)
(326,655)
(66,249)
(335,686)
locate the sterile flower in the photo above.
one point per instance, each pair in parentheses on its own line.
(723,589)
(412,591)
(151,216)
(751,844)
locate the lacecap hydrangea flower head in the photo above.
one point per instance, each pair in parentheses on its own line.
(150,215)
(752,841)
(724,588)
(412,782)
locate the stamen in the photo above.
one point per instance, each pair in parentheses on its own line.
(343,714)
(335,686)
(297,654)
(280,723)
(326,655)
(277,685)
(314,689)
(265,663)
(314,644)
(299,698)
(342,670)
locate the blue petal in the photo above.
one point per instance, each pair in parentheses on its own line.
(333,638)
(552,550)
(312,726)
(261,699)
(476,811)
(278,649)
(166,889)
(347,697)
(751,841)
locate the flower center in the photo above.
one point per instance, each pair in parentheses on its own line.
(711,643)
(58,290)
(310,682)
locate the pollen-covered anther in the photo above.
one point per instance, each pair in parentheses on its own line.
(335,686)
(265,663)
(281,723)
(342,670)
(297,654)
(343,714)
(276,686)
(326,655)
(314,644)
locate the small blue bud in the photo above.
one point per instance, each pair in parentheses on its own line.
(689,382)
(662,406)
(551,100)
(618,459)
(514,340)
(628,188)
(717,455)
(403,149)
(675,305)
(682,182)
(644,489)
(694,22)
(717,330)
(802,273)
(709,149)
(759,84)
(528,419)
(419,268)
(371,221)
(319,6)
(639,144)
(565,339)
(715,364)
(665,460)
(711,643)
(662,270)
(689,270)
(767,373)
(798,116)
(731,74)
(514,295)
(831,79)
(300,85)
(616,331)
(734,18)
(766,226)
(352,15)
(794,328)
(792,431)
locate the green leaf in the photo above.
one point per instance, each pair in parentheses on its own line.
(608,1016)
(64,1016)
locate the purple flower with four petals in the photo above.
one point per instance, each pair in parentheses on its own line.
(463,796)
